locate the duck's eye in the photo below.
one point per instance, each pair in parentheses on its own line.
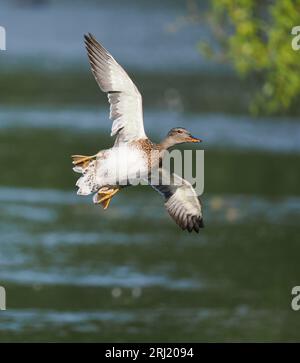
(179,131)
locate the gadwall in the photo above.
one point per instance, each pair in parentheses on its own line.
(132,147)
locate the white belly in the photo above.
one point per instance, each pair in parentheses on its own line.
(121,166)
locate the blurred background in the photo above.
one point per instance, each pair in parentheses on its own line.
(73,272)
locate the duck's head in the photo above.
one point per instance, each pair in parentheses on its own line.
(179,135)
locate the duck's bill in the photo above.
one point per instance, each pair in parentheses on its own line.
(194,139)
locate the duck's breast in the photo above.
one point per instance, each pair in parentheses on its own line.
(121,165)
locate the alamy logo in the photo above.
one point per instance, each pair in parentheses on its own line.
(2,298)
(2,38)
(296,39)
(296,299)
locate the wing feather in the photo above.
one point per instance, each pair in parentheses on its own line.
(181,201)
(126,108)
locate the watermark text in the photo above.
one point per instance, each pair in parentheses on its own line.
(2,298)
(296,39)
(2,38)
(296,299)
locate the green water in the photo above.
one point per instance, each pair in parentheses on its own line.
(74,272)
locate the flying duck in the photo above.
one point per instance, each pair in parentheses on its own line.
(104,174)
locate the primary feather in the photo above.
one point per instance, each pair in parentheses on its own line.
(126,109)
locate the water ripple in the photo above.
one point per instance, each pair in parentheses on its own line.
(241,132)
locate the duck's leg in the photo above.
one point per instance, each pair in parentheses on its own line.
(104,196)
(82,161)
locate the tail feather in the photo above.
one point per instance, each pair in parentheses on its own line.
(85,165)
(87,182)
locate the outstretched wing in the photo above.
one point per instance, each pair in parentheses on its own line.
(126,109)
(181,201)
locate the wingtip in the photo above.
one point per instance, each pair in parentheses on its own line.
(192,224)
(89,39)
(92,45)
(88,36)
(195,226)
